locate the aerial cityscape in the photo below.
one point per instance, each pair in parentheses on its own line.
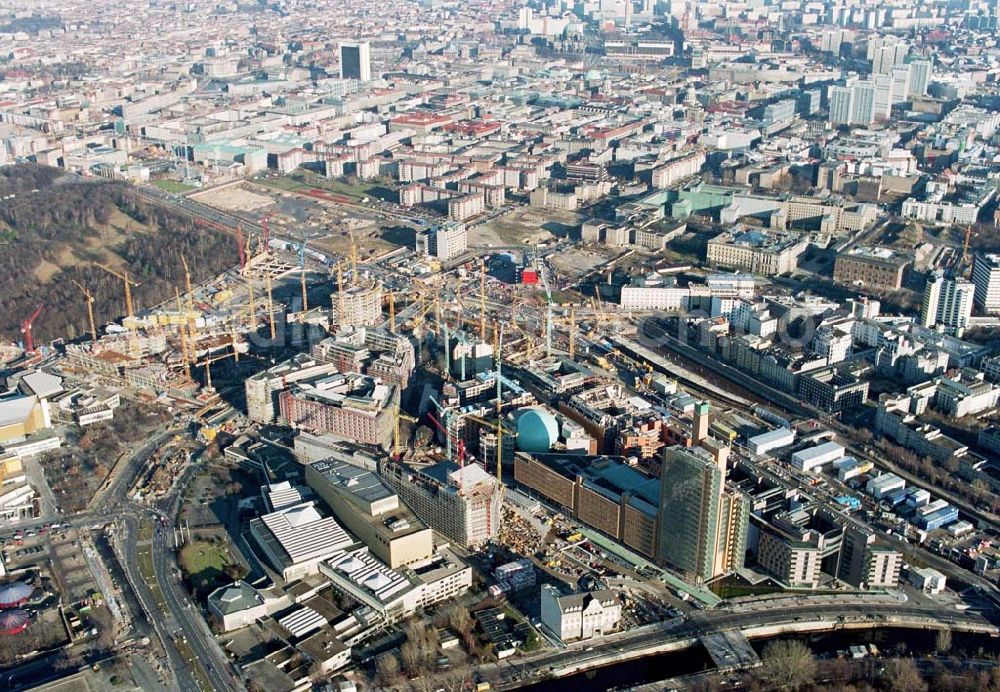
(434,346)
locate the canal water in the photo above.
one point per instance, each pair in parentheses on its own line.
(890,641)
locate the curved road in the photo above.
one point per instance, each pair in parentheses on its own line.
(615,648)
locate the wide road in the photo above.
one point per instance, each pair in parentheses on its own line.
(182,675)
(187,616)
(126,472)
(604,651)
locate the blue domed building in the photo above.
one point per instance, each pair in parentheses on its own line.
(537,430)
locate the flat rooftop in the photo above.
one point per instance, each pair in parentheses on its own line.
(300,533)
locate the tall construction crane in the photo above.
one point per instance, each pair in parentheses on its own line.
(29,341)
(192,322)
(497,354)
(185,350)
(207,362)
(209,359)
(500,430)
(392,311)
(354,260)
(548,312)
(302,270)
(447,436)
(482,303)
(340,292)
(240,249)
(266,233)
(270,303)
(570,320)
(124,277)
(397,447)
(89,297)
(251,307)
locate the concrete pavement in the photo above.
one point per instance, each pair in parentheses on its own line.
(188,618)
(680,633)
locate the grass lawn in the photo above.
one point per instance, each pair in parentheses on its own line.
(731,587)
(173,187)
(301,180)
(203,563)
(284,183)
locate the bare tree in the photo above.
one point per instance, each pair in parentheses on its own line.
(942,644)
(788,664)
(902,675)
(387,669)
(461,621)
(413,657)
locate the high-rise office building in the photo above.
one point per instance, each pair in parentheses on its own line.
(947,301)
(703,525)
(986,279)
(356,61)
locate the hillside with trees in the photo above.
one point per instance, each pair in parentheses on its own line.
(56,228)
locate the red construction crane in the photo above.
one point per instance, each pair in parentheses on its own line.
(26,330)
(459,444)
(241,247)
(237,233)
(267,234)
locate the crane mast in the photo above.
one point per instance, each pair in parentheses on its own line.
(89,297)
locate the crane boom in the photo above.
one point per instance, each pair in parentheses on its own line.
(240,248)
(29,340)
(302,269)
(548,312)
(128,287)
(482,303)
(89,297)
(267,233)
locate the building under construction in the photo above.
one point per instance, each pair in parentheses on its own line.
(357,305)
(462,503)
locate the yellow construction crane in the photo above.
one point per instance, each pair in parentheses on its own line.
(185,353)
(302,269)
(305,293)
(570,320)
(340,291)
(187,277)
(124,277)
(192,322)
(482,303)
(89,297)
(392,312)
(354,261)
(528,340)
(572,333)
(270,304)
(207,362)
(499,430)
(397,447)
(252,306)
